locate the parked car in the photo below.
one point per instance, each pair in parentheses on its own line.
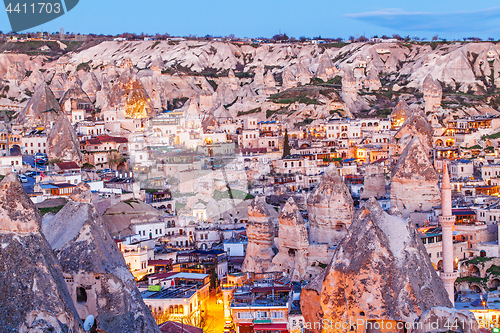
(23,178)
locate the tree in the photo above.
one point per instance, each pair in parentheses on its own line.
(53,161)
(115,158)
(213,277)
(362,39)
(286,145)
(434,38)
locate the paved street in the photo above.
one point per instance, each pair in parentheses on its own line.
(28,187)
(215,314)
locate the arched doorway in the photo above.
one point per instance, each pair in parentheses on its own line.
(475,289)
(473,270)
(494,284)
(440,265)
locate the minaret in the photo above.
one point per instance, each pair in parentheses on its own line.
(447,221)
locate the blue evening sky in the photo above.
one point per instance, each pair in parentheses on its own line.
(265,18)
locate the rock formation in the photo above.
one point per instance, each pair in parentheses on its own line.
(129,94)
(98,279)
(91,86)
(374,182)
(372,81)
(380,271)
(433,93)
(303,74)
(42,109)
(270,84)
(62,142)
(289,80)
(232,80)
(350,95)
(34,297)
(326,69)
(260,233)
(293,243)
(73,97)
(417,125)
(269,80)
(400,113)
(121,217)
(330,208)
(414,181)
(258,79)
(441,319)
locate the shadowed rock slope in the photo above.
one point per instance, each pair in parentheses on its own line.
(33,294)
(380,271)
(101,283)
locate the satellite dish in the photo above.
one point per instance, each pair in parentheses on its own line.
(88,323)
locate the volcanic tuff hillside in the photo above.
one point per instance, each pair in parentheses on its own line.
(334,79)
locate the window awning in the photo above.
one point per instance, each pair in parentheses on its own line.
(270,326)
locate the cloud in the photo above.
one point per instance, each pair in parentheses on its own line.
(484,21)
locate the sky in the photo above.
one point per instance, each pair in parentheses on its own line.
(266,18)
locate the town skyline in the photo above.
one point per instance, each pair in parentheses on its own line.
(320,18)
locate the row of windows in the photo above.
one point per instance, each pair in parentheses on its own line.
(26,144)
(12,139)
(173,309)
(157,232)
(431,240)
(344,128)
(181,243)
(260,314)
(291,164)
(35,151)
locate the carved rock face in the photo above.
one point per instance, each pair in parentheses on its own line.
(400,113)
(89,256)
(374,183)
(17,212)
(417,124)
(62,142)
(81,193)
(129,93)
(42,109)
(330,208)
(260,233)
(34,296)
(293,243)
(414,182)
(433,93)
(380,271)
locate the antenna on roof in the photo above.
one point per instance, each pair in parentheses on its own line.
(89,322)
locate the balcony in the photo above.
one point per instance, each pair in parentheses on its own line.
(266,302)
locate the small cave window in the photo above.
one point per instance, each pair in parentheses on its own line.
(81,295)
(362,313)
(291,252)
